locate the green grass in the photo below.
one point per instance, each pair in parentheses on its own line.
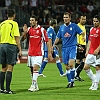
(51,87)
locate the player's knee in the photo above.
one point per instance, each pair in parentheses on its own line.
(86,67)
(58,61)
(46,60)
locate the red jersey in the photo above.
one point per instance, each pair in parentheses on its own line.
(37,37)
(94,37)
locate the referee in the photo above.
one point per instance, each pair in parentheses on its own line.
(9,47)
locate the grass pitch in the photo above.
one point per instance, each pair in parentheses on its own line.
(52,87)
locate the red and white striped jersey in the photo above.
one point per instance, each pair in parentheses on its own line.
(37,37)
(94,37)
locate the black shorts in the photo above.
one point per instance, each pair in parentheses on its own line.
(8,54)
(81,54)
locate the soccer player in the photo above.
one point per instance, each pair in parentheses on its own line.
(37,36)
(81,49)
(9,47)
(67,32)
(92,57)
(51,35)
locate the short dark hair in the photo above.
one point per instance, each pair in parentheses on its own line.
(52,22)
(67,13)
(34,16)
(97,16)
(11,12)
(82,15)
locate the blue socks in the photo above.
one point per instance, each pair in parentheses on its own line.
(42,67)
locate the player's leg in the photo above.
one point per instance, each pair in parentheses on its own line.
(31,74)
(58,62)
(2,78)
(43,65)
(72,58)
(90,60)
(36,62)
(77,63)
(4,68)
(65,59)
(72,71)
(97,76)
(11,58)
(9,78)
(78,71)
(81,57)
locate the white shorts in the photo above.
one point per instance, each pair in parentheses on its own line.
(32,60)
(98,60)
(92,60)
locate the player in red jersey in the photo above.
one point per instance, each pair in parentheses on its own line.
(92,57)
(37,36)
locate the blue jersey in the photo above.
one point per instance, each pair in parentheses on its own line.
(51,35)
(68,34)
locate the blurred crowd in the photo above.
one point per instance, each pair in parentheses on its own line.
(48,9)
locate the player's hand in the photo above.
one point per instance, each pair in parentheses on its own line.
(20,54)
(96,52)
(55,47)
(84,39)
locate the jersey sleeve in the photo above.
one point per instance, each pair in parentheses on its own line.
(44,34)
(49,33)
(16,30)
(89,38)
(78,29)
(59,33)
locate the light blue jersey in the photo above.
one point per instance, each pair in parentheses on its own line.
(51,35)
(68,34)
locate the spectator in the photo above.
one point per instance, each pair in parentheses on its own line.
(83,8)
(7,3)
(33,5)
(90,7)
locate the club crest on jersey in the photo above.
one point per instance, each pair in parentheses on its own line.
(97,31)
(67,34)
(37,31)
(70,28)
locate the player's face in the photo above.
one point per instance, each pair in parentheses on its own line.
(66,19)
(83,20)
(33,22)
(96,22)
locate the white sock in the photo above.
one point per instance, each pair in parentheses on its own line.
(90,74)
(97,78)
(35,76)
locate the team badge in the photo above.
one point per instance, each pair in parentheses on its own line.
(37,31)
(70,28)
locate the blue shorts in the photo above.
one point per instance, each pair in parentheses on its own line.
(54,55)
(68,53)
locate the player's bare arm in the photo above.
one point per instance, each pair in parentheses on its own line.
(17,38)
(97,50)
(49,51)
(88,47)
(56,41)
(50,41)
